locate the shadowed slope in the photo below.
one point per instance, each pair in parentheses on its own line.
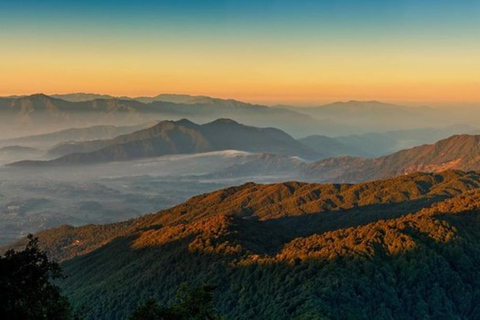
(40,113)
(460,152)
(292,250)
(182,137)
(345,204)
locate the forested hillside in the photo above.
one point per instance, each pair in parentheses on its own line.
(404,248)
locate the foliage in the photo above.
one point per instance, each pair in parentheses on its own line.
(404,248)
(193,304)
(26,291)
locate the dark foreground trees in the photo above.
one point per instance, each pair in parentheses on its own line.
(193,304)
(26,290)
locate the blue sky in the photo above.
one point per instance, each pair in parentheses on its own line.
(245,32)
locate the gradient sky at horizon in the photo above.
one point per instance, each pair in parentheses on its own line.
(302,52)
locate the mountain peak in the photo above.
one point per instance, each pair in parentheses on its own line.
(38,96)
(185,122)
(224,121)
(182,122)
(361,103)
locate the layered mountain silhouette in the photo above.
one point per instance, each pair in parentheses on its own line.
(334,147)
(67,136)
(180,137)
(39,113)
(373,145)
(406,246)
(460,152)
(82,97)
(359,117)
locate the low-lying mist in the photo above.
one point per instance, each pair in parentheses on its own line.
(32,199)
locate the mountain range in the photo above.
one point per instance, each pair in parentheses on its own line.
(376,116)
(406,246)
(461,152)
(393,235)
(15,153)
(371,145)
(274,153)
(40,113)
(178,137)
(49,140)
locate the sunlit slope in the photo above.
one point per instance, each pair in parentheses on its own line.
(460,152)
(396,249)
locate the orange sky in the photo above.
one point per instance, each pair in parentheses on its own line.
(397,52)
(291,76)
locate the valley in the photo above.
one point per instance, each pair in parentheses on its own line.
(242,207)
(239,160)
(104,174)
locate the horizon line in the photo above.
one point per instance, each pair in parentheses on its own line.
(274,101)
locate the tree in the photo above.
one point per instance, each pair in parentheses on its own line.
(26,291)
(193,304)
(150,310)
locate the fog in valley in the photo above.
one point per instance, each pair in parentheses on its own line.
(101,159)
(32,199)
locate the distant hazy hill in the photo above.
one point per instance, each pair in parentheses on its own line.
(378,144)
(174,98)
(49,140)
(184,99)
(460,152)
(334,147)
(406,247)
(183,137)
(374,116)
(82,97)
(18,149)
(40,113)
(15,153)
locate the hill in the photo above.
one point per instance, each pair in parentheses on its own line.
(335,147)
(457,152)
(378,144)
(395,249)
(52,139)
(180,137)
(359,117)
(15,153)
(189,99)
(82,97)
(39,113)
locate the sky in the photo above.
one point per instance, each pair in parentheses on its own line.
(292,52)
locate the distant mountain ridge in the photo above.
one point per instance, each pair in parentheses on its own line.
(49,140)
(181,137)
(38,113)
(83,97)
(460,152)
(373,145)
(376,116)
